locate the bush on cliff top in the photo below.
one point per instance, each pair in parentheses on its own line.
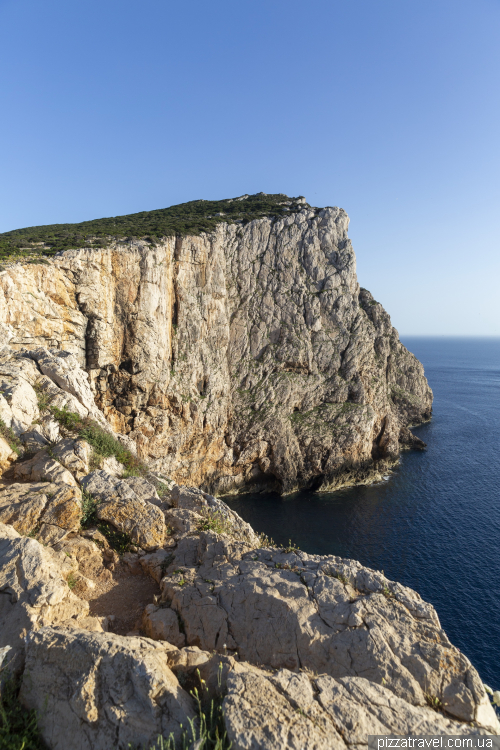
(186,218)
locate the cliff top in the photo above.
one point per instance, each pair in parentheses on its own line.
(193,217)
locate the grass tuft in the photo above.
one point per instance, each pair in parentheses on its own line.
(89,508)
(11,438)
(18,726)
(215,521)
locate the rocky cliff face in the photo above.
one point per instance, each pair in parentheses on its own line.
(248,356)
(120,592)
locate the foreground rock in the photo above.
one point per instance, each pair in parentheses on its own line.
(102,690)
(127,511)
(287,609)
(34,592)
(292,711)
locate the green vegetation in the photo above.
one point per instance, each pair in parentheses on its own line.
(11,438)
(18,726)
(43,398)
(117,540)
(104,443)
(71,581)
(434,702)
(186,218)
(89,507)
(215,521)
(265,541)
(291,547)
(207,731)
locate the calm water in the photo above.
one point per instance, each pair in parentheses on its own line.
(434,524)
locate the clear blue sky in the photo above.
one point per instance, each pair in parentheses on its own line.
(388,108)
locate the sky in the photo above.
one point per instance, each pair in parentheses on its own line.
(389,109)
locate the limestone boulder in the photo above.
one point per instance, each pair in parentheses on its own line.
(156,563)
(33,590)
(287,609)
(7,455)
(34,440)
(47,510)
(102,690)
(143,489)
(44,467)
(63,368)
(113,467)
(19,407)
(119,505)
(214,513)
(74,455)
(162,624)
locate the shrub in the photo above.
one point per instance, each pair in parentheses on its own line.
(89,507)
(215,521)
(10,437)
(193,217)
(103,443)
(117,540)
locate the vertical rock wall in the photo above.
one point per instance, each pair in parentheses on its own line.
(245,357)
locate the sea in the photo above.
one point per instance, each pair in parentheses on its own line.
(433,523)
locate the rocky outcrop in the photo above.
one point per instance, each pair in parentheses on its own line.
(248,356)
(301,650)
(102,690)
(34,593)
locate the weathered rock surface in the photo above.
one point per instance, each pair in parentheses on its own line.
(287,609)
(102,690)
(246,356)
(33,591)
(42,509)
(291,711)
(119,504)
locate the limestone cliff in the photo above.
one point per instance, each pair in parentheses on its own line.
(245,355)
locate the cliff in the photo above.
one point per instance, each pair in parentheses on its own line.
(242,355)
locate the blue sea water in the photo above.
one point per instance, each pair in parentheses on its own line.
(434,524)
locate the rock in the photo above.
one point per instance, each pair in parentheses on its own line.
(64,369)
(74,455)
(44,467)
(102,690)
(20,404)
(288,711)
(45,509)
(34,440)
(143,489)
(120,506)
(334,616)
(112,466)
(33,590)
(49,428)
(88,556)
(162,624)
(7,455)
(156,563)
